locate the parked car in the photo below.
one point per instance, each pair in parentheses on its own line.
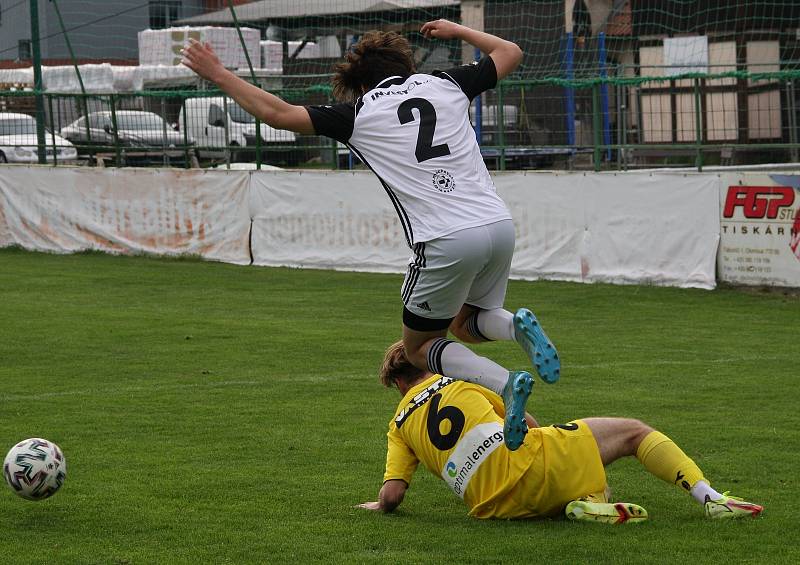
(144,136)
(218,123)
(19,144)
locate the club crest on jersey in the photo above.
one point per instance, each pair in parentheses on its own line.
(443,181)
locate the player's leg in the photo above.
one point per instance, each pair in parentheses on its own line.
(483,317)
(615,438)
(439,277)
(621,437)
(431,351)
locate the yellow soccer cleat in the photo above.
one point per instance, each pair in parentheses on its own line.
(729,507)
(584,510)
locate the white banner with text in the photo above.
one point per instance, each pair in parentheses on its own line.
(760,228)
(159,211)
(633,228)
(628,228)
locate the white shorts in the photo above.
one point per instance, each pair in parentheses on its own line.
(470,266)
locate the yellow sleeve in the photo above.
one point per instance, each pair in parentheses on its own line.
(401,461)
(496,401)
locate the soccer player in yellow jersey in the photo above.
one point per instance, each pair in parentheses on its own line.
(455,429)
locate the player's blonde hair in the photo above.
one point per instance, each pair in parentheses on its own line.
(379,54)
(397,367)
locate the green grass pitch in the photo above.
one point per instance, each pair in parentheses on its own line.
(212,413)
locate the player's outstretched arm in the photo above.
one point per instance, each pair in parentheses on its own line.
(265,106)
(506,54)
(392,493)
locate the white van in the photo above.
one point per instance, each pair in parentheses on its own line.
(218,122)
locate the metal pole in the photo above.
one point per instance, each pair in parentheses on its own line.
(502,123)
(115,130)
(478,108)
(790,98)
(185,135)
(41,141)
(604,93)
(570,91)
(698,125)
(52,129)
(252,76)
(596,134)
(164,155)
(225,102)
(77,70)
(620,153)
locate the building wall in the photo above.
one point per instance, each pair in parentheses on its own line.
(98,29)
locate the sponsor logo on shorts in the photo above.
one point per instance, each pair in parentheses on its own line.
(469,454)
(424,306)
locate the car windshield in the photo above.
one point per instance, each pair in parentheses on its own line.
(139,121)
(18,126)
(238,114)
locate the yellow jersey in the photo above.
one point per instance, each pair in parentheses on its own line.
(456,429)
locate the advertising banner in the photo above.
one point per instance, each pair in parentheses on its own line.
(651,228)
(760,229)
(633,228)
(325,220)
(628,228)
(127,210)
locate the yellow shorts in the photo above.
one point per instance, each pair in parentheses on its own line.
(567,466)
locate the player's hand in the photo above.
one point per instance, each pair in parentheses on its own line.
(201,59)
(441,29)
(370,505)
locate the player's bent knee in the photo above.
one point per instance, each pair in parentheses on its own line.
(637,431)
(461,333)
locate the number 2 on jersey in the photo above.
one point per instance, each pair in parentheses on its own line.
(427,126)
(435,419)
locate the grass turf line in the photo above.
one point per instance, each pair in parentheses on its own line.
(221,414)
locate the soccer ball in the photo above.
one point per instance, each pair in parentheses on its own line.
(35,468)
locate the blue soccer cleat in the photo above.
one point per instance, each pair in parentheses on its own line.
(531,337)
(515,397)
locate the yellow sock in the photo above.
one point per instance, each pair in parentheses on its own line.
(668,462)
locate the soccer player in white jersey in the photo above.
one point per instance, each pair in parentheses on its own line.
(558,469)
(413,131)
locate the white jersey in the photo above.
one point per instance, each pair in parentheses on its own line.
(414,134)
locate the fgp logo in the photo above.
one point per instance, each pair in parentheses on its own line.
(758,201)
(451,469)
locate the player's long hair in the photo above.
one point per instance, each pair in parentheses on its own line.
(397,367)
(379,54)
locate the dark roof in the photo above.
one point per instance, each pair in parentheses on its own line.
(264,10)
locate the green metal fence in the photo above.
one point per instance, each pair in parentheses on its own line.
(683,121)
(587,96)
(725,118)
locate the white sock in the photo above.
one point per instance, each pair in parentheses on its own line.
(701,489)
(497,324)
(456,361)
